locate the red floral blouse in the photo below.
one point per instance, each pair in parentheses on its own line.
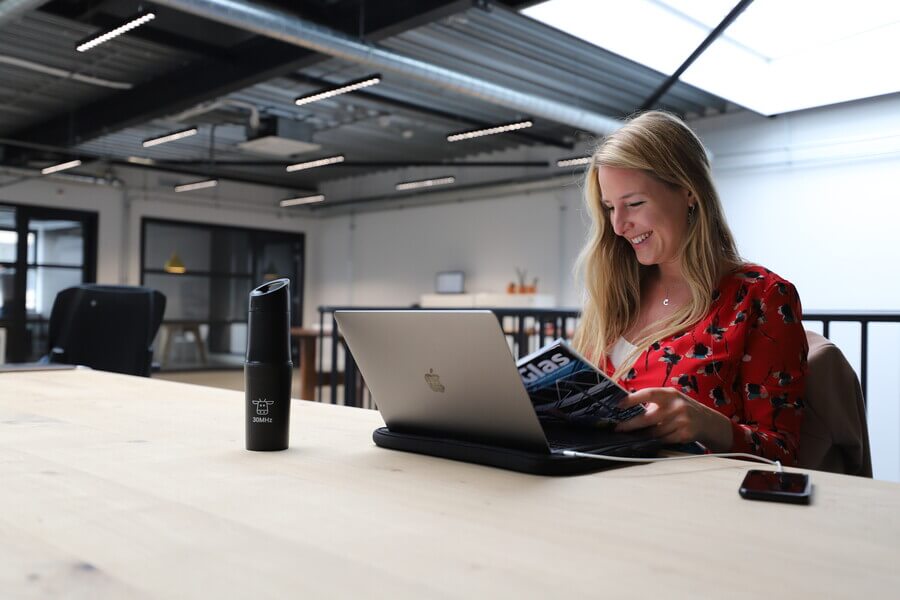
(746,359)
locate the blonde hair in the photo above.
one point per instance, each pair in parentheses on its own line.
(661,145)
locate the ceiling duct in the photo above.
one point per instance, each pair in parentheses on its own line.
(223,103)
(278,136)
(291,29)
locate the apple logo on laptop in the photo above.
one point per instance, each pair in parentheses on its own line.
(434,381)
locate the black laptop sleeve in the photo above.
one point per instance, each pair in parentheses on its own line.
(525,461)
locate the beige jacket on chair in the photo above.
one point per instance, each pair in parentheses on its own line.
(833,435)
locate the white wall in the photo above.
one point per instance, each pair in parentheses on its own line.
(814,196)
(391,257)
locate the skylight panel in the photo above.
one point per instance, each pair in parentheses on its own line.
(784,56)
(648,32)
(709,13)
(775,57)
(778,29)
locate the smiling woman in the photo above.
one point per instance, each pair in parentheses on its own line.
(712,345)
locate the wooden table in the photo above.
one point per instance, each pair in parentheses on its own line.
(121,487)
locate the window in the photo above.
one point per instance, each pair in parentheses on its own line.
(42,252)
(206,273)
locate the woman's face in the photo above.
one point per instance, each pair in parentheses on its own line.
(650,215)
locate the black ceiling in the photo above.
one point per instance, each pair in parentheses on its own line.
(206,61)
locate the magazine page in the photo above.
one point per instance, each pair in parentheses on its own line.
(565,388)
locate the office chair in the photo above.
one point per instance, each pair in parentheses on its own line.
(834,435)
(106,327)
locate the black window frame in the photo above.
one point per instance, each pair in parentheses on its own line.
(19,321)
(297,295)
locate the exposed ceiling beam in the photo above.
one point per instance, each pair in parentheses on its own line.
(222,168)
(256,60)
(213,174)
(42,152)
(306,34)
(170,93)
(383,100)
(454,193)
(162,37)
(362,164)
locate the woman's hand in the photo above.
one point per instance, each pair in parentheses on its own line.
(677,418)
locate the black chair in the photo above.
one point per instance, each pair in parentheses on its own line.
(106,327)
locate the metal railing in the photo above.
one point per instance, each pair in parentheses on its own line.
(864,319)
(521,326)
(526,330)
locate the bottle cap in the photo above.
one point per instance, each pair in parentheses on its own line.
(269,323)
(274,296)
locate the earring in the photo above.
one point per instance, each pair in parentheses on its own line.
(691,209)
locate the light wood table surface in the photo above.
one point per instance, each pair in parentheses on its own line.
(122,487)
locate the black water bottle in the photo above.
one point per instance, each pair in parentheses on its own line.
(267,367)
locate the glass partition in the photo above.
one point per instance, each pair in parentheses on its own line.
(42,252)
(206,273)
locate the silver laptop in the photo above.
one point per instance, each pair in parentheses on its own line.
(452,374)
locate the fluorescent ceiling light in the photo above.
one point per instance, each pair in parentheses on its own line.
(474,133)
(197,185)
(96,40)
(336,91)
(170,137)
(424,183)
(573,162)
(301,200)
(776,57)
(60,167)
(315,163)
(138,160)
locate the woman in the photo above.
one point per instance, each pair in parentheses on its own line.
(713,346)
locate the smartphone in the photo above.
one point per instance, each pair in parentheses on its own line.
(776,487)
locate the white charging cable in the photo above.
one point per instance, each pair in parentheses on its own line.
(574,454)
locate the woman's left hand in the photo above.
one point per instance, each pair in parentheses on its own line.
(678,418)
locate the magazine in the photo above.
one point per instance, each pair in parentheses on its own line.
(564,387)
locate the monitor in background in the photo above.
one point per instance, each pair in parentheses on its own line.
(450,282)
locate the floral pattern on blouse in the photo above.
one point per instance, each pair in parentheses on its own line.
(746,359)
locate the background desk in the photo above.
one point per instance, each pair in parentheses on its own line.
(115,487)
(169,330)
(307,369)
